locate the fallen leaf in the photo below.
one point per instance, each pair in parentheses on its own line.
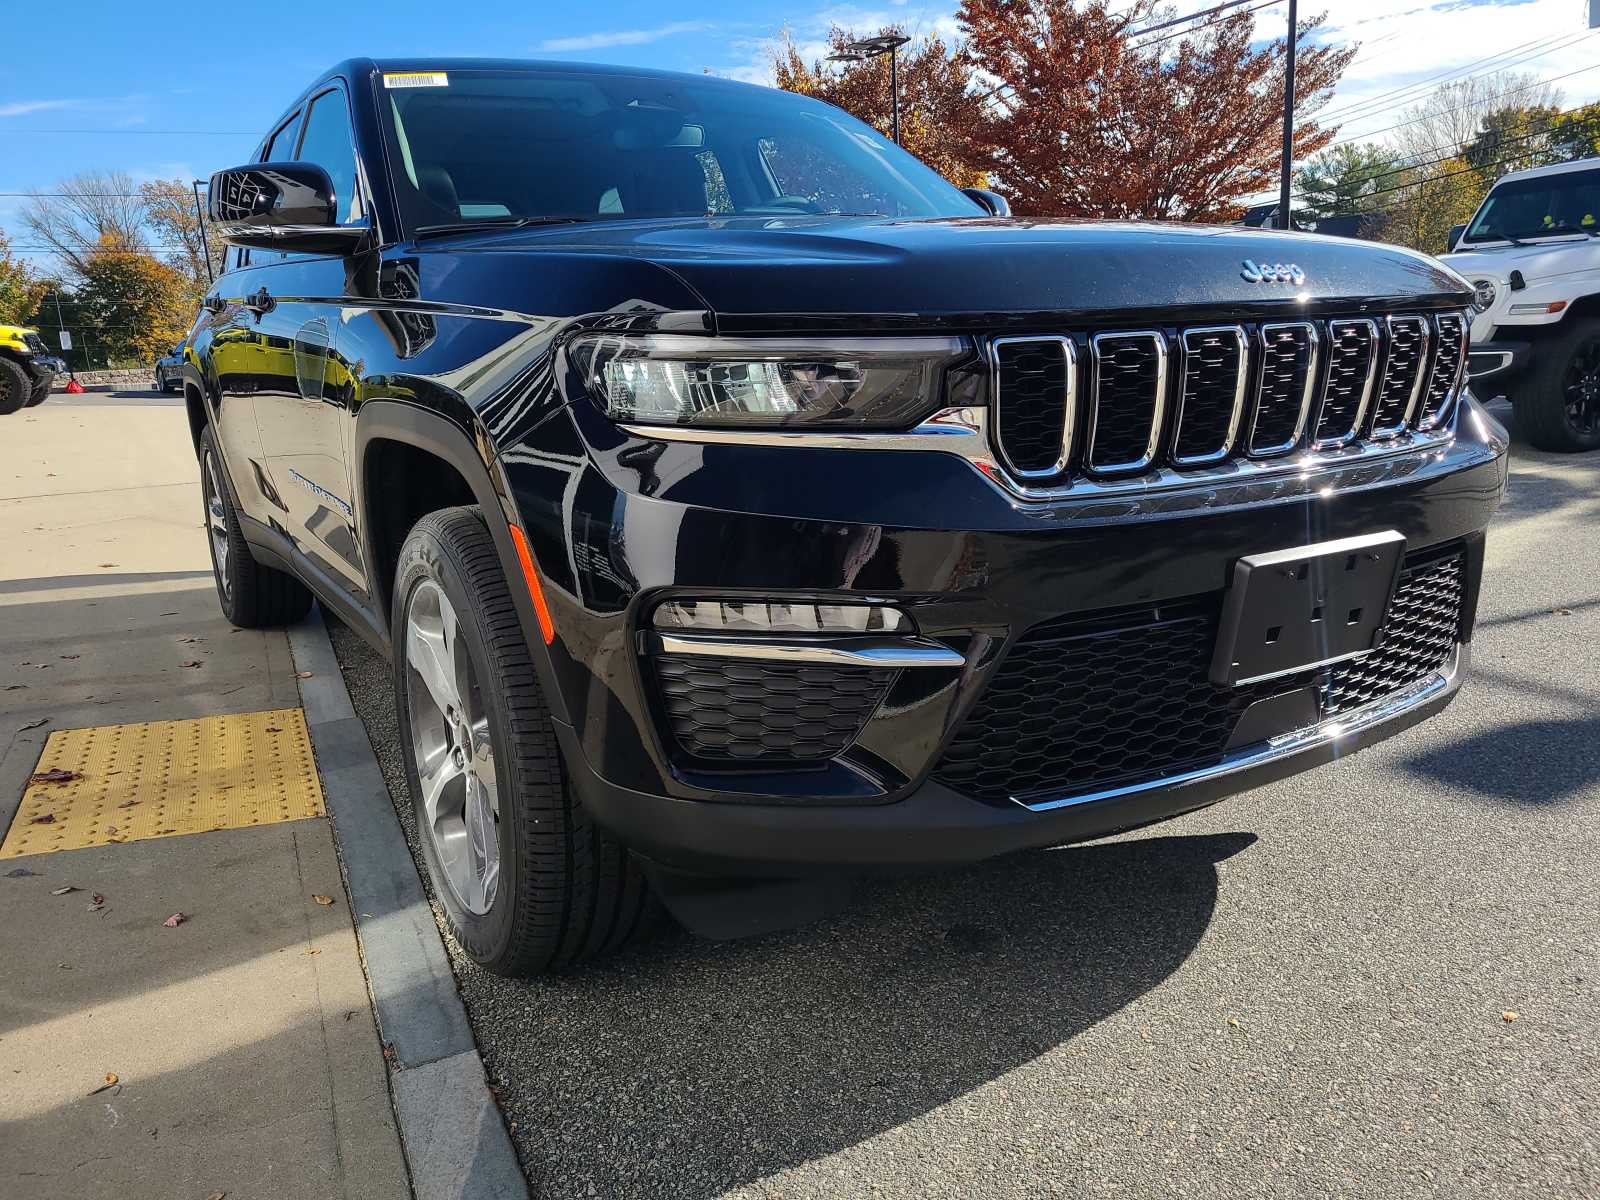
(54,775)
(111,1082)
(1562,612)
(175,920)
(1508,1016)
(302,674)
(33,724)
(218,1196)
(125,803)
(43,819)
(170,614)
(70,657)
(20,873)
(41,666)
(111,829)
(189,640)
(108,564)
(313,950)
(62,891)
(190,663)
(273,729)
(15,687)
(323,899)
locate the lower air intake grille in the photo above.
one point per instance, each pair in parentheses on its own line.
(1086,703)
(738,710)
(1033,381)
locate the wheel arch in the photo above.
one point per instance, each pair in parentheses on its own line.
(1582,307)
(387,430)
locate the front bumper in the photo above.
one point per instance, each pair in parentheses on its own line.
(937,826)
(619,527)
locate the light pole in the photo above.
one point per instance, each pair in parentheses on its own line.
(875,47)
(1284,221)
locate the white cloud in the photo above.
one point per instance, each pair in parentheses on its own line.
(623,37)
(21,108)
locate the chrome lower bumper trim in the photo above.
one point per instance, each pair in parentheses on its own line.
(839,652)
(1344,728)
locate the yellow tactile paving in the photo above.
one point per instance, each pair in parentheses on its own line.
(162,778)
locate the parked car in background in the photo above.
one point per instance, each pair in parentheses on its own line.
(169,369)
(1532,253)
(27,368)
(744,507)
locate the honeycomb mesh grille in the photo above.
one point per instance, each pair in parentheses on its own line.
(1128,380)
(1213,360)
(1407,347)
(1280,397)
(1451,335)
(1082,704)
(1351,349)
(1032,380)
(738,710)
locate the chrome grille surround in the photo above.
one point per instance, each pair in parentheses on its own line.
(1116,370)
(1068,400)
(1286,382)
(1450,359)
(1208,363)
(1404,373)
(1352,372)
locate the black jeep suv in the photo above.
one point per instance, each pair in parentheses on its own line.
(743,507)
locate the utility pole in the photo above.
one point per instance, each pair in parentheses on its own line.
(1288,120)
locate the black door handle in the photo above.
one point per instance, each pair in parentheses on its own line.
(260,301)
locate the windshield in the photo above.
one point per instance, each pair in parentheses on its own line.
(500,145)
(1568,202)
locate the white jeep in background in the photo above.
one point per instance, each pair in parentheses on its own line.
(1532,252)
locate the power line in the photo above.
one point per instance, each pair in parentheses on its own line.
(1443,111)
(160,132)
(1186,32)
(1360,108)
(1206,12)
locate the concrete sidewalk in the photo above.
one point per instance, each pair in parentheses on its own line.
(242,1040)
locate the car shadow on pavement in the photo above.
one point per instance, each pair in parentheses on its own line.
(691,1067)
(1534,763)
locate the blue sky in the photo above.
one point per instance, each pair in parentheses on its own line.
(176,90)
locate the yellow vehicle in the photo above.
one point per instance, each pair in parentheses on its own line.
(26,368)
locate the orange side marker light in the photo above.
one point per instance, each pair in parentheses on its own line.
(547,627)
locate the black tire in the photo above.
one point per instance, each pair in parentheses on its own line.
(252,596)
(160,383)
(566,891)
(41,393)
(15,387)
(1558,402)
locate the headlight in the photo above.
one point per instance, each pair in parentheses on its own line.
(674,379)
(1483,294)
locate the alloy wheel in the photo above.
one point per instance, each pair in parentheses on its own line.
(1581,389)
(453,749)
(217,525)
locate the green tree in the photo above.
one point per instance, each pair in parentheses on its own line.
(141,306)
(1513,138)
(20,288)
(1426,201)
(1340,181)
(169,211)
(1576,133)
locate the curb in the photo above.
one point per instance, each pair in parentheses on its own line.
(450,1126)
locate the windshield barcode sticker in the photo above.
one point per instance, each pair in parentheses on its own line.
(417,79)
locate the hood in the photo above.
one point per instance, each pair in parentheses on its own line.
(816,271)
(1543,261)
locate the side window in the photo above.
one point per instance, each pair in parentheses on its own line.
(280,146)
(329,143)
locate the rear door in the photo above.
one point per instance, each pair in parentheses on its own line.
(304,415)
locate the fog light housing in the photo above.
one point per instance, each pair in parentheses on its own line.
(778,616)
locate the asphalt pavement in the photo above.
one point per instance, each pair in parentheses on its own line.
(1379,979)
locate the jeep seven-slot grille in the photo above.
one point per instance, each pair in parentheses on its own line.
(1085,703)
(1035,376)
(1194,397)
(1352,361)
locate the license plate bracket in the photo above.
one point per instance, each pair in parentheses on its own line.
(1293,610)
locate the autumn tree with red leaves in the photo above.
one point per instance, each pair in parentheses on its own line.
(1071,114)
(937,95)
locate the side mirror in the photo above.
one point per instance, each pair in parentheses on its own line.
(281,206)
(993,202)
(1455,235)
